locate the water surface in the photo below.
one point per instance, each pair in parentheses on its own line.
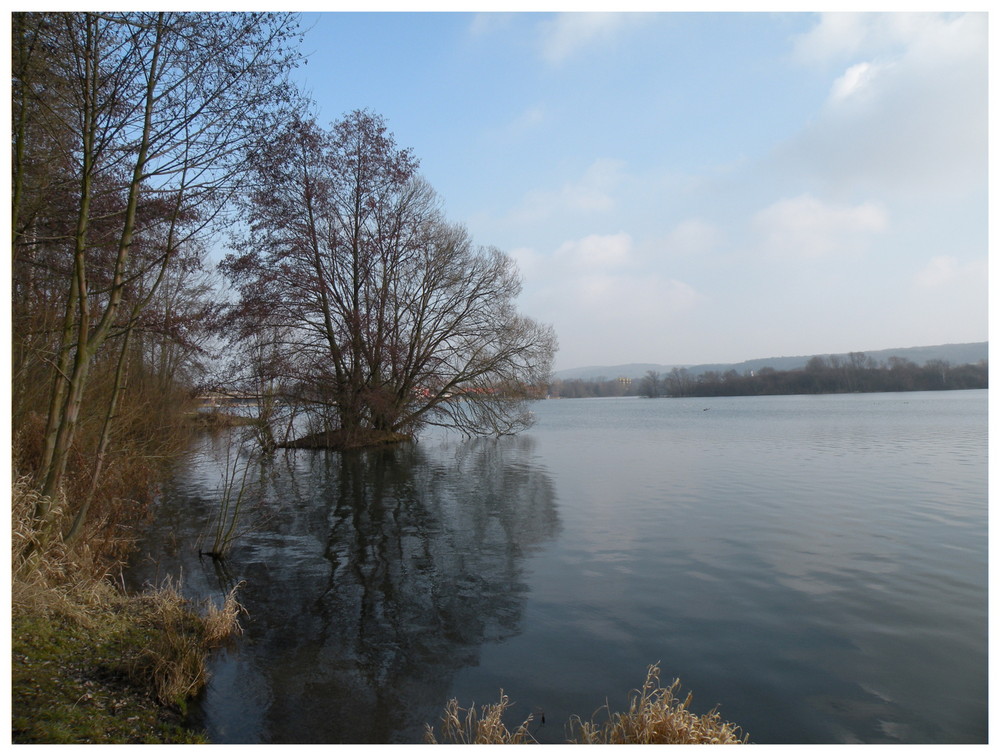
(817,566)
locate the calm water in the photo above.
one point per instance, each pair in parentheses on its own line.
(817,566)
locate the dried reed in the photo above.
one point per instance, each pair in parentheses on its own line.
(656,715)
(45,577)
(168,641)
(484,726)
(172,660)
(223,623)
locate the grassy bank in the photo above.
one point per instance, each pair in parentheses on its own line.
(90,664)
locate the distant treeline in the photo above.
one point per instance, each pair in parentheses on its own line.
(582,388)
(855,373)
(821,375)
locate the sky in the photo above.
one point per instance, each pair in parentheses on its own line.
(685,188)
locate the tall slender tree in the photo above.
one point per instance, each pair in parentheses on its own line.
(134,128)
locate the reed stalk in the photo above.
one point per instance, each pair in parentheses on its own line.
(655,715)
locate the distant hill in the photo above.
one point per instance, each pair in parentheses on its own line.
(956,354)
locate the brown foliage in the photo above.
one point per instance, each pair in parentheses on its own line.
(148,434)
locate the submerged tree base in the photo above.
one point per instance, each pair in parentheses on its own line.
(216,419)
(339,440)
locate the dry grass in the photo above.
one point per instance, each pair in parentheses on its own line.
(468,726)
(655,716)
(162,641)
(172,658)
(74,630)
(147,435)
(222,623)
(174,639)
(46,577)
(26,537)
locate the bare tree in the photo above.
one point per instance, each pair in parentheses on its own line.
(147,118)
(398,318)
(652,384)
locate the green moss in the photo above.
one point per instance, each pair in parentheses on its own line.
(70,680)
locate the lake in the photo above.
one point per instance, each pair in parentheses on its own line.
(816,566)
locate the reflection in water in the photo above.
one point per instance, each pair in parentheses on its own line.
(817,566)
(379,575)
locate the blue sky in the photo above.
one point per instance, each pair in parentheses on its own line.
(682,188)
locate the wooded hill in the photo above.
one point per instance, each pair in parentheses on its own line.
(954,354)
(859,373)
(851,373)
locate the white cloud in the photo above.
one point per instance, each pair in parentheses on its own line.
(693,236)
(521,126)
(937,272)
(528,261)
(569,33)
(945,271)
(949,299)
(595,251)
(907,111)
(624,299)
(612,318)
(836,35)
(804,227)
(839,37)
(853,80)
(601,298)
(593,192)
(527,119)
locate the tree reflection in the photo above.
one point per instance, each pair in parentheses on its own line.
(382,574)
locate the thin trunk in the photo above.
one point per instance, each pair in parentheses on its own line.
(19,131)
(57,399)
(67,390)
(88,343)
(102,449)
